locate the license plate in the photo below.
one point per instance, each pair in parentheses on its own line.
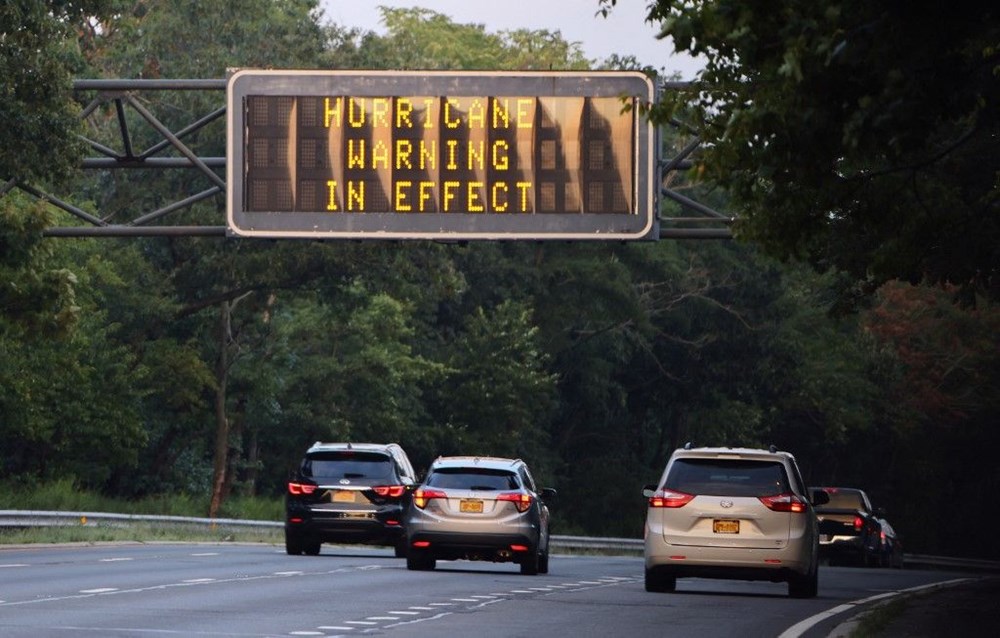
(471,506)
(343,496)
(724,526)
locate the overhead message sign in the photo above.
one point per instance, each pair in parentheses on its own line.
(440,155)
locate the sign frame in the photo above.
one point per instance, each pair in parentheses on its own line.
(640,224)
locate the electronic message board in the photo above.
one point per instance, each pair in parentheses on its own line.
(440,155)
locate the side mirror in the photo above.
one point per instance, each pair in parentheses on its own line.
(648,490)
(547,493)
(819,497)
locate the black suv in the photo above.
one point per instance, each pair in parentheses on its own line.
(348,493)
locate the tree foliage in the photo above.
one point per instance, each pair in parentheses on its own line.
(859,135)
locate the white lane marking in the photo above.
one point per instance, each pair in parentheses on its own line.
(241,579)
(481,596)
(100,590)
(441,604)
(307,633)
(416,620)
(464,600)
(382,618)
(15,565)
(803,626)
(418,608)
(288,573)
(405,613)
(194,581)
(206,554)
(336,628)
(366,623)
(113,560)
(521,591)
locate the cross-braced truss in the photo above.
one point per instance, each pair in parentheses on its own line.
(172,152)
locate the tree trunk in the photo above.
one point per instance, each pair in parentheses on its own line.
(221,422)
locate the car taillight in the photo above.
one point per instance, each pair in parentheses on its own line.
(390,491)
(520,500)
(299,489)
(422,496)
(669,498)
(784,503)
(858,523)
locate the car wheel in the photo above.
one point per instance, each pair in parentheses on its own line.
(804,586)
(543,563)
(660,583)
(420,562)
(529,564)
(400,549)
(312,548)
(293,544)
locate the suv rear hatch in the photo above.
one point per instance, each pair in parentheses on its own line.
(729,507)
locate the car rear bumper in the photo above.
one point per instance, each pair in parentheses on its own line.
(476,546)
(723,562)
(340,527)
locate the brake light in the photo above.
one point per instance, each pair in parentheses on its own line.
(390,491)
(669,498)
(421,496)
(300,489)
(784,503)
(520,500)
(858,523)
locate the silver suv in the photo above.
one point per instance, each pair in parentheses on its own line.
(479,508)
(734,513)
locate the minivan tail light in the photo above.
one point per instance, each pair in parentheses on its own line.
(423,496)
(669,498)
(520,500)
(389,491)
(301,489)
(784,503)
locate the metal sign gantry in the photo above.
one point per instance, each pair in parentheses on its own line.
(116,97)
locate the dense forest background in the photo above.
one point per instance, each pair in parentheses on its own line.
(206,366)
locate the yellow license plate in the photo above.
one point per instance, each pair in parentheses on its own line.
(724,526)
(472,506)
(343,496)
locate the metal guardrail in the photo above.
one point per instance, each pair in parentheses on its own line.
(38,518)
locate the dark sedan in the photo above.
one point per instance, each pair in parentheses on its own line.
(854,532)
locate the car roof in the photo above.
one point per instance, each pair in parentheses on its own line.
(730,453)
(320,446)
(837,489)
(488,462)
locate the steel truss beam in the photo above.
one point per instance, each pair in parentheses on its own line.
(705,223)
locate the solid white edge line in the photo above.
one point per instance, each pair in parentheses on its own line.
(799,628)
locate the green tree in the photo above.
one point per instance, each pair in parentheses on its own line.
(859,135)
(425,39)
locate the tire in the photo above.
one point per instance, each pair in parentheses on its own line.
(420,562)
(293,544)
(400,549)
(806,586)
(530,563)
(659,583)
(312,548)
(543,563)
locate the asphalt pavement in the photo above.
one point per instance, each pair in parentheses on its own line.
(970,608)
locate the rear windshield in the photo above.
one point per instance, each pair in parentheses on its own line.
(464,478)
(727,477)
(347,464)
(841,500)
